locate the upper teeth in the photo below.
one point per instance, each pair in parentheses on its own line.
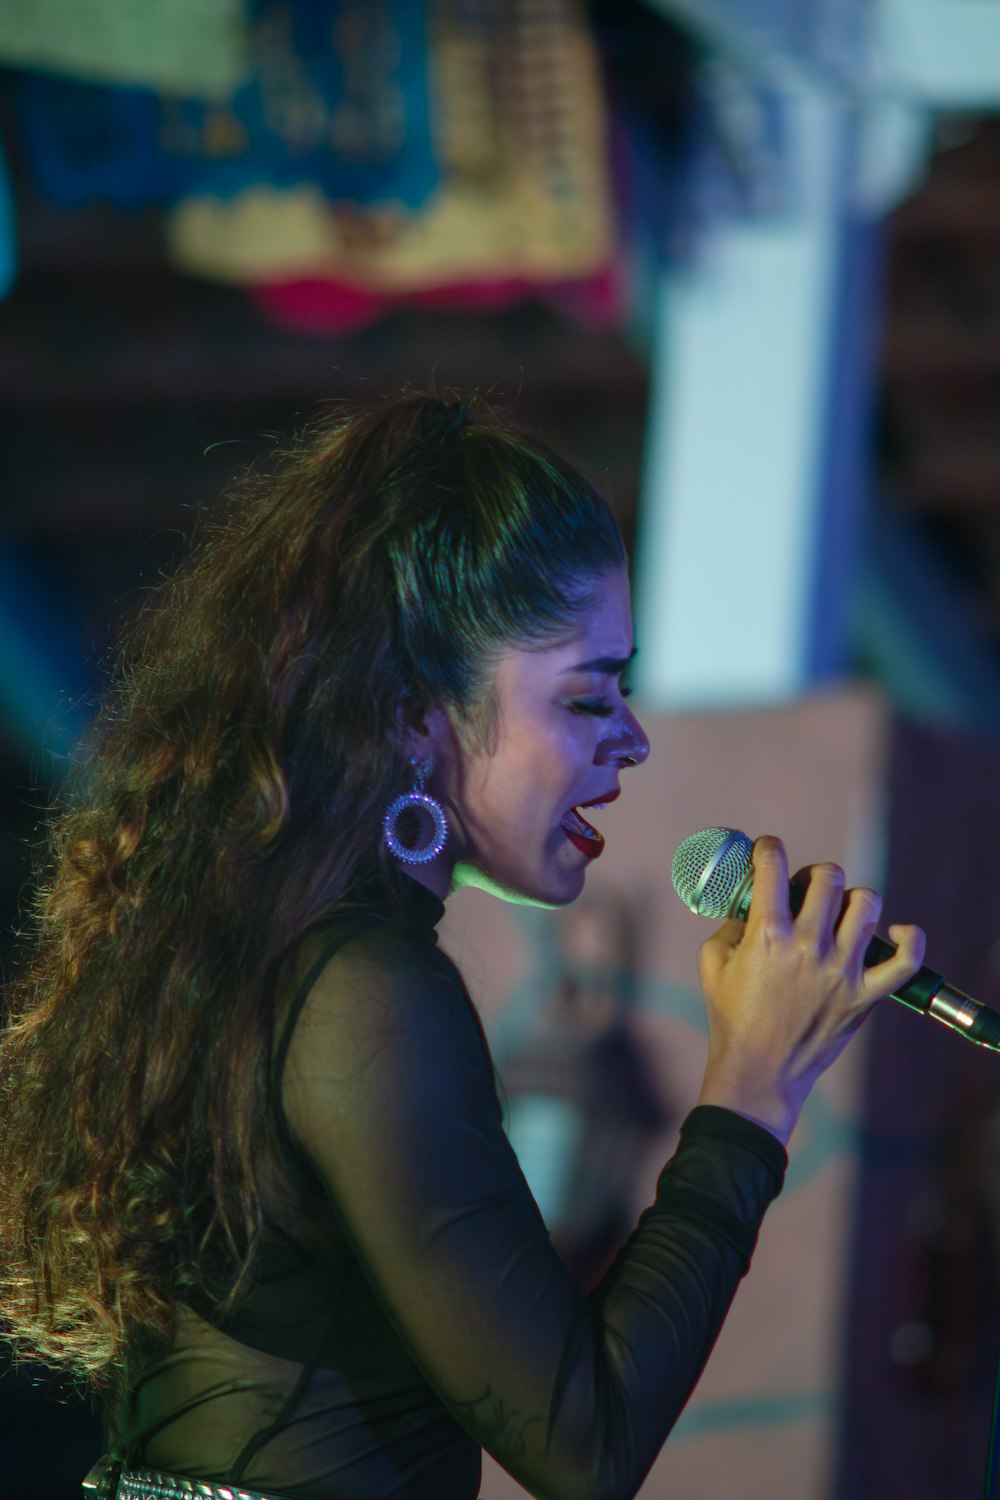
(599,806)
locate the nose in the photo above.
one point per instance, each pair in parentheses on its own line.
(630,746)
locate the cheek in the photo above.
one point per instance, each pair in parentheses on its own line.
(538,765)
(551,768)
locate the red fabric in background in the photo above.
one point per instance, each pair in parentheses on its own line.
(321,308)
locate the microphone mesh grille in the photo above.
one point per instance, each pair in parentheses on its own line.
(721,854)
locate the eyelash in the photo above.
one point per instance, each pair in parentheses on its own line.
(599,706)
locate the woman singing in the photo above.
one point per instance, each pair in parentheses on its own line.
(255,1185)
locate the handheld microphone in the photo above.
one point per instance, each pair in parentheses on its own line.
(713,875)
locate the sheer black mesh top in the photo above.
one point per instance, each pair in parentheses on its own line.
(408,1309)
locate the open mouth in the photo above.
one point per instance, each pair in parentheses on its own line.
(581,834)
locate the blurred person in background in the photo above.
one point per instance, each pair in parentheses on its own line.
(584,1106)
(255,1186)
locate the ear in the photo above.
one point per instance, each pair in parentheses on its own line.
(425,732)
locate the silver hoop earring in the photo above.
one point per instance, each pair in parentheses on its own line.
(416,801)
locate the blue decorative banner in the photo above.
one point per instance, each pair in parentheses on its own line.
(338,98)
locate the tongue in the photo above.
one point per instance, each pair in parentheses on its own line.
(580,831)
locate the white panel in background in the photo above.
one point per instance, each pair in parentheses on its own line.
(733,476)
(944,53)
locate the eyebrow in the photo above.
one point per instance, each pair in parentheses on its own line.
(611,665)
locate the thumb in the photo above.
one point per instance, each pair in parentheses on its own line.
(720,947)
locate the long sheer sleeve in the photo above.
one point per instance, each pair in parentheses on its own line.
(388,1090)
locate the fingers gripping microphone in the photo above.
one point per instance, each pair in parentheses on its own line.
(713,875)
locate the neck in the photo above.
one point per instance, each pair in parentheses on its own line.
(435,875)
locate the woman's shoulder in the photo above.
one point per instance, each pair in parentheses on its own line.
(381,1011)
(362,963)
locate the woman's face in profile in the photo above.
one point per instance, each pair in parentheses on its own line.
(564,732)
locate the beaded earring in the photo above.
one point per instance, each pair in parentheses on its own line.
(416,801)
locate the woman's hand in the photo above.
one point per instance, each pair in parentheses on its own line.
(784,995)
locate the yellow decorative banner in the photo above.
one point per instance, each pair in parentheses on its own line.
(520,138)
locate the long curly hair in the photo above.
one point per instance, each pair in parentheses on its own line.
(231,794)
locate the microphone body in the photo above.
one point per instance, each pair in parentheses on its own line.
(713,875)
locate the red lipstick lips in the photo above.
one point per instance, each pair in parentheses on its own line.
(581,834)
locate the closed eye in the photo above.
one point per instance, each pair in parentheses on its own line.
(592,706)
(599,706)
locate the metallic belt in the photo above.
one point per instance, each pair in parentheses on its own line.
(111,1482)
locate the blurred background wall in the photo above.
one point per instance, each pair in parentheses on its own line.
(739,260)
